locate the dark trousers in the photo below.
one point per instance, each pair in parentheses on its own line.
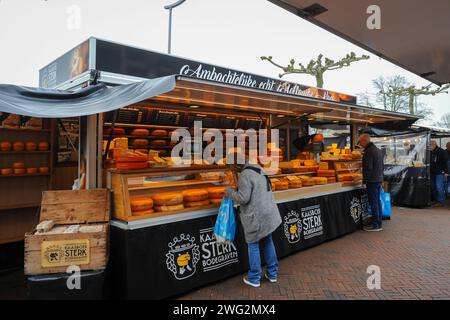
(373,192)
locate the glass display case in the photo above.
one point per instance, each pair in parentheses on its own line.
(156,192)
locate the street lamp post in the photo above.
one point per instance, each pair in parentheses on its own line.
(170,7)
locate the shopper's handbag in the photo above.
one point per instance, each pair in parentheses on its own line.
(225,227)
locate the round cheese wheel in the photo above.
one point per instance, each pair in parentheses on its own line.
(132,159)
(195,195)
(18,146)
(159,133)
(43,146)
(281,185)
(215,201)
(216,192)
(169,198)
(331,179)
(32,170)
(5,146)
(116,131)
(141,204)
(326,173)
(165,208)
(139,142)
(6,171)
(31,146)
(18,165)
(320,180)
(140,132)
(142,212)
(20,171)
(44,170)
(158,143)
(196,204)
(131,165)
(295,183)
(308,182)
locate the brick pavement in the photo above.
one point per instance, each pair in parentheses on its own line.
(413,253)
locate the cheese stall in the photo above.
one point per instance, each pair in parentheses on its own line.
(163,210)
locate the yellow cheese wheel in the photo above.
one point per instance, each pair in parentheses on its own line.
(31,146)
(323,166)
(20,171)
(18,165)
(320,180)
(295,183)
(141,204)
(6,171)
(216,192)
(158,143)
(139,142)
(142,212)
(193,204)
(169,198)
(5,146)
(18,146)
(215,201)
(195,195)
(308,182)
(159,133)
(165,208)
(281,185)
(32,170)
(140,132)
(43,146)
(310,162)
(326,173)
(44,170)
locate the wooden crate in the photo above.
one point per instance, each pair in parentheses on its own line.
(54,252)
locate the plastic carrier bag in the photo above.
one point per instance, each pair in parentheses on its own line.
(385,206)
(225,227)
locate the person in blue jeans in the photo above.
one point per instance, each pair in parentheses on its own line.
(438,169)
(259,217)
(373,168)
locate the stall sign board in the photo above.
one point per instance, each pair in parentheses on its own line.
(65,253)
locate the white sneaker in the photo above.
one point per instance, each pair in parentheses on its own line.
(247,282)
(272,280)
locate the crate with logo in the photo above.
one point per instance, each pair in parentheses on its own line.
(73,231)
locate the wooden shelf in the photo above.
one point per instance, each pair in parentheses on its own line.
(26,130)
(135,137)
(165,184)
(20,206)
(24,175)
(24,152)
(149,147)
(131,125)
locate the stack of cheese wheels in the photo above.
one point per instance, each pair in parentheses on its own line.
(326,173)
(141,206)
(331,179)
(320,180)
(195,198)
(308,182)
(159,133)
(140,132)
(294,182)
(19,168)
(215,195)
(279,184)
(169,201)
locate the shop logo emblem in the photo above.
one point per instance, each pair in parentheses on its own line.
(54,254)
(292,226)
(183,256)
(356,209)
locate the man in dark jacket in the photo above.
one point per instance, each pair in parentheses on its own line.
(438,167)
(372,178)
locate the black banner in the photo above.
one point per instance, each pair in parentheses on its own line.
(167,260)
(120,59)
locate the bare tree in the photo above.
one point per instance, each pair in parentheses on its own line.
(317,67)
(445,121)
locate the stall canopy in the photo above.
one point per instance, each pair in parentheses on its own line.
(212,94)
(413,33)
(99,98)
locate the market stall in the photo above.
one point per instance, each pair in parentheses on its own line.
(163,212)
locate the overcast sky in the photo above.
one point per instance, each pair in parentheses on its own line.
(231,33)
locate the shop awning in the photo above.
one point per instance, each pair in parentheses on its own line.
(217,95)
(413,33)
(50,103)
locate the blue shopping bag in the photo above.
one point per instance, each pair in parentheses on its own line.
(385,206)
(225,227)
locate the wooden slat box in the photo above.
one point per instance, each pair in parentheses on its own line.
(54,251)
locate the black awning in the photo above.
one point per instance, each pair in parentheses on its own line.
(51,103)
